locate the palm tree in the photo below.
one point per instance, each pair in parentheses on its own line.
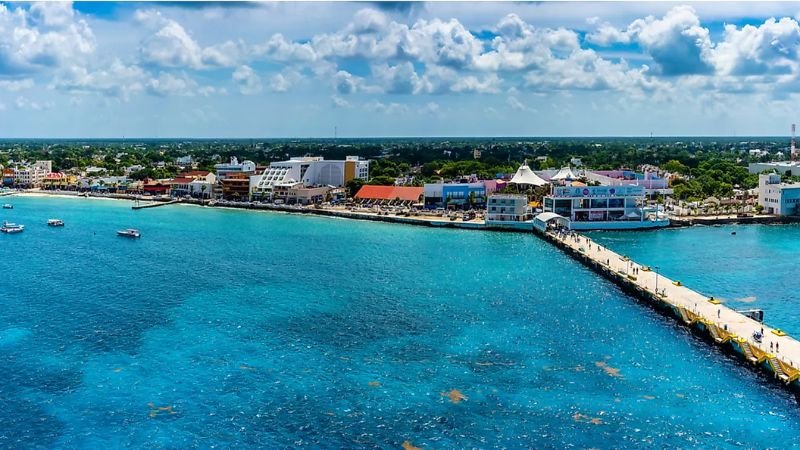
(203,193)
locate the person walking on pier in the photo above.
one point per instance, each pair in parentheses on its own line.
(718,313)
(770,346)
(777,347)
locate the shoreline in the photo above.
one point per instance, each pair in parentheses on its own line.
(428,221)
(433,222)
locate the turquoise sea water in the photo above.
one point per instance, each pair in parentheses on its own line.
(224,328)
(755,268)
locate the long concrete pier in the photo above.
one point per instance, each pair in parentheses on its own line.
(777,354)
(154,204)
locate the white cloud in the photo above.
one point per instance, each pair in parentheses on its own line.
(248,81)
(346,83)
(168,84)
(46,35)
(25,103)
(282,82)
(118,80)
(392,108)
(172,46)
(16,85)
(677,42)
(399,79)
(339,102)
(770,48)
(280,49)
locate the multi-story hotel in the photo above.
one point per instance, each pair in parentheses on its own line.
(311,171)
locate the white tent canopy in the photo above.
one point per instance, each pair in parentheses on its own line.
(564,174)
(525,175)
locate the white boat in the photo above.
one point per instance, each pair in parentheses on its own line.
(55,222)
(9,227)
(8,206)
(130,232)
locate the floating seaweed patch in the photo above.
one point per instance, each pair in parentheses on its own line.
(455,396)
(155,411)
(578,417)
(583,418)
(374,383)
(612,371)
(407,445)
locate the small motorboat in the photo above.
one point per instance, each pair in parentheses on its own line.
(130,232)
(55,222)
(9,227)
(8,206)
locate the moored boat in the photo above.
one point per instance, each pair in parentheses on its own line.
(55,222)
(9,227)
(130,232)
(8,206)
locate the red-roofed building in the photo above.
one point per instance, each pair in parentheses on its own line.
(152,187)
(390,193)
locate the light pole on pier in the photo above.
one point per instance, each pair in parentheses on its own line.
(656,267)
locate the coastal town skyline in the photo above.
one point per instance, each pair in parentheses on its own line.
(103,70)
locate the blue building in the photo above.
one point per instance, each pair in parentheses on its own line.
(455,195)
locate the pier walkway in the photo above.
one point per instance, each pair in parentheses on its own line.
(154,204)
(700,312)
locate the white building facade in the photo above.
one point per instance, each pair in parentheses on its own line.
(509,211)
(224,169)
(778,198)
(310,171)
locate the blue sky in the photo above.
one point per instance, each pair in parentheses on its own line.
(167,69)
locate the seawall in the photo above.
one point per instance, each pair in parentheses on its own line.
(729,330)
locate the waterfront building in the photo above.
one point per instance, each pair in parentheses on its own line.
(509,211)
(299,194)
(311,171)
(457,195)
(223,170)
(778,198)
(236,186)
(58,180)
(33,175)
(197,183)
(155,187)
(390,194)
(652,183)
(9,177)
(180,186)
(603,207)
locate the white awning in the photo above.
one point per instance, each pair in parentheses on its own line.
(564,174)
(525,175)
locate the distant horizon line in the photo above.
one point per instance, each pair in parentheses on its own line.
(339,138)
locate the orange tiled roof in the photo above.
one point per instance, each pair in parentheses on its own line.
(390,193)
